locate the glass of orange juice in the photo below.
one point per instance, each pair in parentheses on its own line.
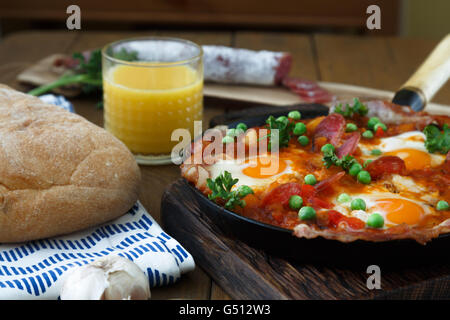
(151,86)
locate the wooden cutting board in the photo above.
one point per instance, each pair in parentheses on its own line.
(280,96)
(244,272)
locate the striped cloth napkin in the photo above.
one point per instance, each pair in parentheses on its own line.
(37,269)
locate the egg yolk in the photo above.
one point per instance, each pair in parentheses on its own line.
(400,210)
(414,159)
(263,167)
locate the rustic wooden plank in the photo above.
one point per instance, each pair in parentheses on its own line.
(408,54)
(20,50)
(231,13)
(98,39)
(298,45)
(378,62)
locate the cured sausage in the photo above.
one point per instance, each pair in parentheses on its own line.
(235,65)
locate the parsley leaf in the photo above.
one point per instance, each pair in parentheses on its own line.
(437,141)
(330,158)
(221,191)
(87,73)
(284,127)
(349,111)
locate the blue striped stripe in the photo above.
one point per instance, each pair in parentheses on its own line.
(47,271)
(150,276)
(7,256)
(178,255)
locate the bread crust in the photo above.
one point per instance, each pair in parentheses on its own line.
(59,173)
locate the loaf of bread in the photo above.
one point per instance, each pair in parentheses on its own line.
(59,173)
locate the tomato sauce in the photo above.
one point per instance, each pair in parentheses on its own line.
(270,204)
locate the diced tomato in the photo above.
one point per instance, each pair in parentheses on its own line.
(335,217)
(319,203)
(307,191)
(278,216)
(379,133)
(282,193)
(355,223)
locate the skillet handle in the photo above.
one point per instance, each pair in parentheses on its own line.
(428,79)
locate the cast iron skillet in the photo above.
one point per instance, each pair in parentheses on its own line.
(281,242)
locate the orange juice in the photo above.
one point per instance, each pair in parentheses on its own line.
(143,105)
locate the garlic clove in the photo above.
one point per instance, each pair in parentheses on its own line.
(107,278)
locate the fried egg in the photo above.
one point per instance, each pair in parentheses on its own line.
(395,209)
(256,171)
(409,146)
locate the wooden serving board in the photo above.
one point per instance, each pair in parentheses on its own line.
(280,96)
(248,273)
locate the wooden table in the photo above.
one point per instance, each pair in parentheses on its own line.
(377,62)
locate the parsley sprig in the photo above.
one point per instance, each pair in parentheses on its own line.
(348,112)
(87,73)
(221,191)
(437,141)
(284,127)
(330,158)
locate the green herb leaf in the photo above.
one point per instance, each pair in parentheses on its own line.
(349,111)
(221,191)
(88,73)
(437,141)
(126,55)
(284,127)
(330,158)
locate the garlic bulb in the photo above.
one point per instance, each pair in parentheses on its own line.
(107,278)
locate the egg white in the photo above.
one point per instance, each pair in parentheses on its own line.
(236,167)
(407,140)
(371,200)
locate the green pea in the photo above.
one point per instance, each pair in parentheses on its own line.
(343,197)
(310,179)
(366,163)
(380,125)
(242,126)
(372,122)
(303,140)
(355,169)
(364,177)
(299,128)
(295,202)
(358,204)
(442,205)
(244,190)
(227,139)
(375,220)
(296,115)
(307,213)
(367,134)
(327,148)
(375,152)
(350,127)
